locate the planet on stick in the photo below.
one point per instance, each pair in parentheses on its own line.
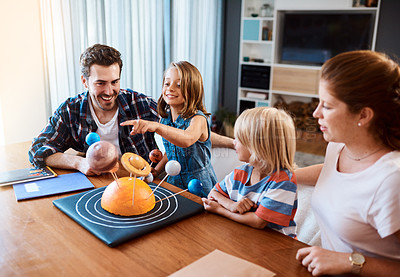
(173,168)
(155,156)
(92,138)
(135,164)
(195,186)
(102,156)
(149,178)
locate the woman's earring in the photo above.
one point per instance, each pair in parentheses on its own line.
(359,124)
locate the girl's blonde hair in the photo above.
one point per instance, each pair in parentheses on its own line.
(270,136)
(192,90)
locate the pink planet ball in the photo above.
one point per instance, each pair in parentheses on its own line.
(155,156)
(102,156)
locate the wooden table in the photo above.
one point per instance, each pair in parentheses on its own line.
(37,239)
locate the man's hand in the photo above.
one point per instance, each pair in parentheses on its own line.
(68,161)
(84,167)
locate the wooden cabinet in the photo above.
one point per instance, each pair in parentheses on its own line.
(294,79)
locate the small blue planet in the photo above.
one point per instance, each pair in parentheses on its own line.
(195,186)
(92,138)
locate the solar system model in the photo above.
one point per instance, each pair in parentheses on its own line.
(128,196)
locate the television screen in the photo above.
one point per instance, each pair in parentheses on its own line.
(313,37)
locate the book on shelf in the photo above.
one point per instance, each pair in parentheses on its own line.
(256,95)
(25,175)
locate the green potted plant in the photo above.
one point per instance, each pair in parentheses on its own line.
(226,121)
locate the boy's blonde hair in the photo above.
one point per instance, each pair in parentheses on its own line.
(270,136)
(191,88)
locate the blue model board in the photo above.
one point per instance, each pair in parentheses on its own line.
(85,208)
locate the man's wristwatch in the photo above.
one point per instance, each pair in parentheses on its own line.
(357,261)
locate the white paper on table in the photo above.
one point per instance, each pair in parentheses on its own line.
(218,263)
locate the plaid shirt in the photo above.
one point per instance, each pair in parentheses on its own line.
(72,121)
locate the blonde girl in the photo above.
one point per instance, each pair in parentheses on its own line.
(183,126)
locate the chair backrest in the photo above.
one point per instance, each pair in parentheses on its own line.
(307,227)
(224,160)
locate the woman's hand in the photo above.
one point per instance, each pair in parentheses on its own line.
(320,261)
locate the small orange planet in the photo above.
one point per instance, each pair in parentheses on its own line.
(117,197)
(155,156)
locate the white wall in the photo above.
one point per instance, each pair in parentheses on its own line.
(22,83)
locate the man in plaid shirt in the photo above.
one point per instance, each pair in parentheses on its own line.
(100,109)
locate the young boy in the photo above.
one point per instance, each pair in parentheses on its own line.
(263,192)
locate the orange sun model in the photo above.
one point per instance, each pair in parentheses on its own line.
(129,196)
(118,197)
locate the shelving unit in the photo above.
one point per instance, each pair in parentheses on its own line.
(256,53)
(263,79)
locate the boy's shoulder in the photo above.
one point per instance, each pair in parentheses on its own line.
(241,173)
(283,175)
(244,167)
(284,180)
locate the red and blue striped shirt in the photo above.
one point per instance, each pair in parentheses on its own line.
(275,196)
